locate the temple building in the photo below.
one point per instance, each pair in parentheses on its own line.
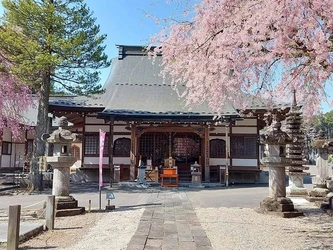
(146,121)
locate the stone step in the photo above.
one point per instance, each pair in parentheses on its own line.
(67,204)
(70,212)
(292,214)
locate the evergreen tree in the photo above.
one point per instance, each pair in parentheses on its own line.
(52,43)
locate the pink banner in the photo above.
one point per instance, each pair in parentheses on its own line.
(101,152)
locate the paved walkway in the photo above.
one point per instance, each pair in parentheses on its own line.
(169,223)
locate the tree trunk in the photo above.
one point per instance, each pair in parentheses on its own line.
(41,128)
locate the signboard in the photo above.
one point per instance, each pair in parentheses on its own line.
(110,196)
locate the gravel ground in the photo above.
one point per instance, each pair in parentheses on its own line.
(227,228)
(112,230)
(240,229)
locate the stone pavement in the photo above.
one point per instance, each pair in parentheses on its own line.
(169,223)
(26,231)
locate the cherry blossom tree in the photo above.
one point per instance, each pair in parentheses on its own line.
(266,48)
(15,101)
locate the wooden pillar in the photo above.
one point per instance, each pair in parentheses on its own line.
(206,160)
(13,227)
(170,145)
(111,166)
(230,141)
(227,155)
(83,141)
(133,154)
(1,138)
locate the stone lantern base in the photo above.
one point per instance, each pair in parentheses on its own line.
(67,206)
(281,206)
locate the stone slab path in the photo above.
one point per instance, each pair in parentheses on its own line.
(169,223)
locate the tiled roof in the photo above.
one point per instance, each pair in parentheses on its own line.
(76,101)
(135,88)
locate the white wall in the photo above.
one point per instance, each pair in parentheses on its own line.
(120,129)
(245,162)
(247,122)
(217,161)
(5,161)
(116,160)
(244,130)
(96,128)
(235,162)
(94,160)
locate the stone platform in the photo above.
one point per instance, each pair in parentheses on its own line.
(67,206)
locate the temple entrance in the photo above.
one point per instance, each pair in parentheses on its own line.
(185,148)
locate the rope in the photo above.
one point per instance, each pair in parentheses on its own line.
(33,204)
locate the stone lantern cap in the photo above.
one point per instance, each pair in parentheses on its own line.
(62,134)
(196,167)
(62,137)
(276,136)
(320,142)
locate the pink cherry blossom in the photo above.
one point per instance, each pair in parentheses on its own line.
(15,100)
(232,49)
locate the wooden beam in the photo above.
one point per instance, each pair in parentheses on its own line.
(111,154)
(167,129)
(133,153)
(83,140)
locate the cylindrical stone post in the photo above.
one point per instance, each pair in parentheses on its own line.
(61,185)
(277,182)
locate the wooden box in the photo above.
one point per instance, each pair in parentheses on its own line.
(169,171)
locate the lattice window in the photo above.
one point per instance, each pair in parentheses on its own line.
(186,148)
(251,147)
(91,145)
(151,147)
(161,148)
(217,148)
(244,147)
(122,147)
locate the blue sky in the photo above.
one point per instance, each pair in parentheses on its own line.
(125,22)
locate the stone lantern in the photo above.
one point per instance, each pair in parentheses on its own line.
(322,182)
(276,161)
(196,173)
(61,161)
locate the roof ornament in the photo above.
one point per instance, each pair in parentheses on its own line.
(294,99)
